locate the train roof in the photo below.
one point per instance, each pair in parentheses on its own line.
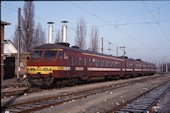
(75,48)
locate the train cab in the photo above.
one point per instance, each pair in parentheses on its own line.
(41,65)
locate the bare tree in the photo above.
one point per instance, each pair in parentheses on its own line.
(31,35)
(81,34)
(28,26)
(39,37)
(94,36)
(15,38)
(58,37)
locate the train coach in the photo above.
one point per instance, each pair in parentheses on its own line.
(59,63)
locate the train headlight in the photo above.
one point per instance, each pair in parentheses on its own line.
(32,69)
(45,69)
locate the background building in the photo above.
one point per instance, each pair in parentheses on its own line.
(2,47)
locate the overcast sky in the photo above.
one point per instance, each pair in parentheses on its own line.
(142,27)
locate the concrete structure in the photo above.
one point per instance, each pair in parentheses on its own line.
(23,62)
(50,32)
(2,47)
(64,31)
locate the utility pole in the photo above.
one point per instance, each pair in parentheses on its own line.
(117,51)
(102,45)
(166,67)
(109,48)
(124,52)
(162,66)
(19,37)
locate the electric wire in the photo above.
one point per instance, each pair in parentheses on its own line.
(110,24)
(116,27)
(13,34)
(125,33)
(159,25)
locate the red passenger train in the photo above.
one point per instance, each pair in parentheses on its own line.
(59,63)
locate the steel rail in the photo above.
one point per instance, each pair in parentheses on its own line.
(143,102)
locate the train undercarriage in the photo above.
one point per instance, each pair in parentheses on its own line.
(40,80)
(47,81)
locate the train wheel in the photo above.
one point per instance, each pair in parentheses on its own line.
(59,84)
(30,81)
(48,81)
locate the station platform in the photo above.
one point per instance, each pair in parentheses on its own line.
(13,81)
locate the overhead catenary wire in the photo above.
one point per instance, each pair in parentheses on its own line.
(125,33)
(110,24)
(13,34)
(9,8)
(139,14)
(15,9)
(157,22)
(5,5)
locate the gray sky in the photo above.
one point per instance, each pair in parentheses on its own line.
(142,27)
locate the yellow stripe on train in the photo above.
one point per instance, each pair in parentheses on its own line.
(45,69)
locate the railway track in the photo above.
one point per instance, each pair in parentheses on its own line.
(14,86)
(8,91)
(144,102)
(60,99)
(11,92)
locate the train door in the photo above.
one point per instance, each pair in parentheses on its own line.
(79,65)
(61,58)
(72,64)
(85,68)
(123,66)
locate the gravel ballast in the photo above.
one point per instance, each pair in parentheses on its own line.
(101,103)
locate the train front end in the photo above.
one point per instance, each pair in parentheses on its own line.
(40,67)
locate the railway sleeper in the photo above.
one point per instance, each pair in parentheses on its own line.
(130,111)
(136,107)
(13,110)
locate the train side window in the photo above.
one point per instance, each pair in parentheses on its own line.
(36,54)
(119,65)
(106,63)
(61,55)
(90,62)
(65,55)
(97,62)
(50,54)
(72,60)
(101,63)
(85,62)
(110,64)
(79,61)
(116,64)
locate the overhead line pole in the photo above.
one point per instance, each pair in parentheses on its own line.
(117,51)
(109,47)
(102,45)
(19,37)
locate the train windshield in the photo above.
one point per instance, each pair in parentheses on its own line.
(50,54)
(36,54)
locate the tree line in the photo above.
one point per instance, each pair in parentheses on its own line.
(164,67)
(33,35)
